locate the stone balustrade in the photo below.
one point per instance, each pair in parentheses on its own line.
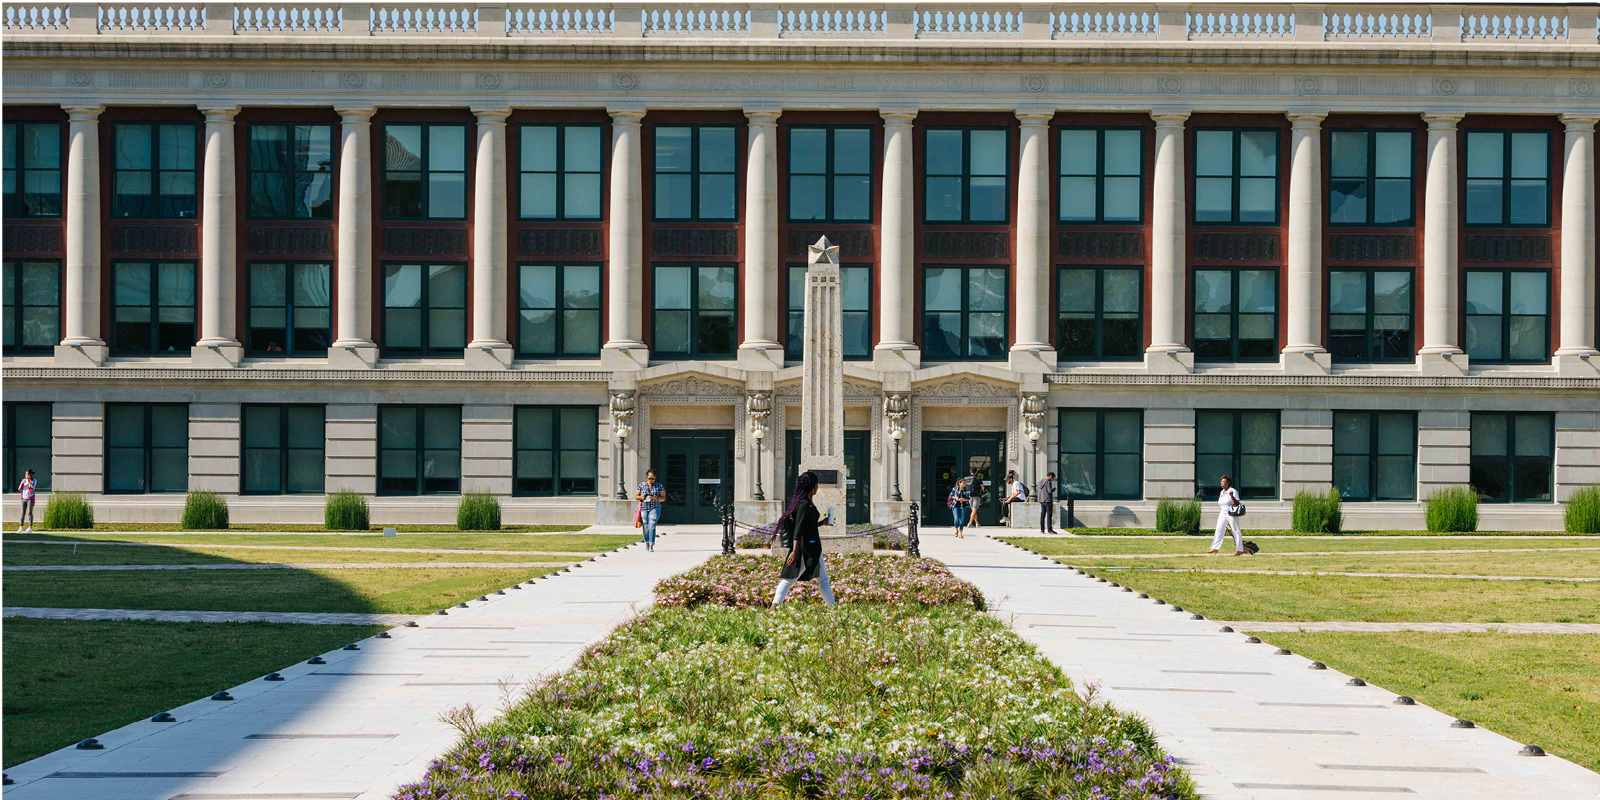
(941,22)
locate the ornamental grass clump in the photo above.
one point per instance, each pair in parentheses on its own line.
(865,700)
(479,511)
(1317,513)
(204,511)
(1178,515)
(1583,510)
(1453,510)
(68,511)
(744,581)
(346,511)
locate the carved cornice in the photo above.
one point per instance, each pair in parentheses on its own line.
(1269,381)
(692,389)
(111,374)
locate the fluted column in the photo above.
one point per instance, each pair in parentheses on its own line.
(624,348)
(1304,351)
(1440,274)
(760,348)
(1168,225)
(354,346)
(1031,352)
(1578,248)
(897,283)
(219,342)
(489,347)
(80,341)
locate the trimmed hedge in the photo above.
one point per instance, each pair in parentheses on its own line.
(1316,513)
(1178,516)
(1453,510)
(204,511)
(1583,510)
(346,511)
(68,511)
(479,511)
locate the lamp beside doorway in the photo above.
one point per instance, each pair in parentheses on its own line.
(759,433)
(1033,463)
(622,447)
(897,434)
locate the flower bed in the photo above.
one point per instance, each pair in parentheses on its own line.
(883,537)
(750,581)
(866,700)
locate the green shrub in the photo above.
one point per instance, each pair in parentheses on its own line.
(479,511)
(1453,510)
(1178,516)
(1316,513)
(1583,510)
(68,511)
(204,511)
(346,511)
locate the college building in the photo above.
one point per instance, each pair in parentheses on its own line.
(412,250)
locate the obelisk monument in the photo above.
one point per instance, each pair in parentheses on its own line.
(822,394)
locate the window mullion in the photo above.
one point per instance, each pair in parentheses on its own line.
(561,205)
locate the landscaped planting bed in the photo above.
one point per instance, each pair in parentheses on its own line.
(750,581)
(883,537)
(922,697)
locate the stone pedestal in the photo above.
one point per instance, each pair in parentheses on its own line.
(84,355)
(757,512)
(216,356)
(1577,366)
(1024,515)
(1450,365)
(885,512)
(491,357)
(611,511)
(361,356)
(1161,363)
(1319,362)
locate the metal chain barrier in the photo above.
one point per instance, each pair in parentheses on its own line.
(769,533)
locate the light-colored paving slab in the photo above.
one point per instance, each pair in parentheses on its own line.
(1431,627)
(208,546)
(295,565)
(367,720)
(1247,723)
(1352,574)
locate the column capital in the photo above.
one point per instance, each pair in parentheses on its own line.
(355,115)
(1441,120)
(898,116)
(222,113)
(1170,117)
(1039,117)
(491,115)
(763,116)
(629,115)
(1578,123)
(87,112)
(1306,119)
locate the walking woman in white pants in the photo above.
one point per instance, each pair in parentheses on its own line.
(1226,499)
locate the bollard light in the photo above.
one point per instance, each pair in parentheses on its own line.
(222,696)
(94,744)
(1283,651)
(382,635)
(441,612)
(1402,700)
(273,676)
(352,646)
(1527,750)
(1463,723)
(1251,640)
(1318,665)
(1355,682)
(482,598)
(462,605)
(1197,616)
(163,717)
(1226,629)
(411,623)
(316,660)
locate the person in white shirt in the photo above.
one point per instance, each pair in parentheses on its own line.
(1226,499)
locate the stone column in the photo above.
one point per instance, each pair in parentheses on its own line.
(354,347)
(81,344)
(822,394)
(762,270)
(489,348)
(1304,353)
(1031,352)
(1577,354)
(624,349)
(1440,274)
(1168,218)
(897,282)
(219,344)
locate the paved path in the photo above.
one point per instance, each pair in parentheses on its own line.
(1433,627)
(1326,553)
(335,548)
(368,720)
(1347,574)
(338,565)
(296,617)
(1246,722)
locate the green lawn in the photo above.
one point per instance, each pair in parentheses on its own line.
(372,591)
(22,555)
(1550,564)
(578,543)
(268,528)
(1539,689)
(1327,598)
(1212,519)
(1317,544)
(66,680)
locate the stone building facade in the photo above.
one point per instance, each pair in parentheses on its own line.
(412,250)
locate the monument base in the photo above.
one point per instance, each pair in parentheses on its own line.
(846,544)
(886,512)
(757,512)
(611,511)
(1024,515)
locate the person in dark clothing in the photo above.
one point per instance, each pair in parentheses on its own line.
(976,491)
(1047,503)
(799,528)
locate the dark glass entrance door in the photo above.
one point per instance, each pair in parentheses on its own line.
(948,456)
(696,469)
(857,470)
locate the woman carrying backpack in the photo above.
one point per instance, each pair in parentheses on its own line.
(1229,509)
(801,535)
(960,506)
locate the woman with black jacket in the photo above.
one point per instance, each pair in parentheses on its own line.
(799,528)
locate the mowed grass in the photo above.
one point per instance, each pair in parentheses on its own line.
(66,680)
(1313,598)
(1548,564)
(372,591)
(577,543)
(271,528)
(1190,545)
(28,555)
(1539,689)
(1208,519)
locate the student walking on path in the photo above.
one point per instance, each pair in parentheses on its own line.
(799,528)
(960,506)
(1047,504)
(26,489)
(975,497)
(650,494)
(1227,504)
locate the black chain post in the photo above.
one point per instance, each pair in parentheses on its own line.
(727,530)
(913,544)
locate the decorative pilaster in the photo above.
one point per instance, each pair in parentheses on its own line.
(1577,354)
(1441,279)
(219,344)
(624,349)
(761,348)
(354,347)
(1032,351)
(1304,352)
(1168,281)
(81,344)
(489,348)
(897,349)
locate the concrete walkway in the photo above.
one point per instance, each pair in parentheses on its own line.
(1246,722)
(296,565)
(368,720)
(1430,627)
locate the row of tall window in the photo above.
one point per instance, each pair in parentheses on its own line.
(965,311)
(966,173)
(555,451)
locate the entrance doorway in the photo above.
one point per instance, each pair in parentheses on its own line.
(696,469)
(949,456)
(857,470)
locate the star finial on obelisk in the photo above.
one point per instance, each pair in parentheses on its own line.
(824,252)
